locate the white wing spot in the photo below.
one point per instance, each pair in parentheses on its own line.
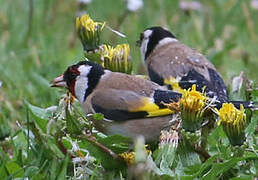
(193,59)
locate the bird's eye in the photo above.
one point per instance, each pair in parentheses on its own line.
(73,74)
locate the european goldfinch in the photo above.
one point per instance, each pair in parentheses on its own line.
(131,105)
(170,62)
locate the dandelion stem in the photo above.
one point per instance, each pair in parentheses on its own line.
(202,152)
(93,140)
(121,19)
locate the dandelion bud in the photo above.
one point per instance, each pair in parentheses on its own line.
(117,59)
(233,122)
(192,106)
(89,32)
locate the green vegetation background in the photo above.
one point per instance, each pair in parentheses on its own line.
(38,44)
(36,49)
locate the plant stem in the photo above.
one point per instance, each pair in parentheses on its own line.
(121,19)
(30,20)
(202,152)
(93,140)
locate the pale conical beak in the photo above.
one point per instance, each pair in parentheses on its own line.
(59,82)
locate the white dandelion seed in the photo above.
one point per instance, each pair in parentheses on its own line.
(190,5)
(254,4)
(134,5)
(84,1)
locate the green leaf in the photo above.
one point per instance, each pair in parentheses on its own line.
(219,168)
(5,129)
(186,153)
(107,161)
(67,144)
(165,158)
(31,171)
(40,116)
(72,123)
(191,169)
(252,125)
(98,116)
(3,156)
(39,112)
(53,169)
(14,169)
(254,95)
(203,167)
(243,178)
(62,174)
(52,145)
(20,141)
(116,143)
(19,159)
(218,141)
(3,172)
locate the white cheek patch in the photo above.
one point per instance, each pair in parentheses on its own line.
(81,84)
(144,44)
(84,70)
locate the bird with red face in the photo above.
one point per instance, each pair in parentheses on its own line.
(131,105)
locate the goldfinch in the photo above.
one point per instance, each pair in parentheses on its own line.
(170,62)
(131,105)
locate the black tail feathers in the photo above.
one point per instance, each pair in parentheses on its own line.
(161,96)
(247,105)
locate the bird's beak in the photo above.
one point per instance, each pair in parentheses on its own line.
(59,82)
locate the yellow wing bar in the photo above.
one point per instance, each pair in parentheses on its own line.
(151,108)
(174,84)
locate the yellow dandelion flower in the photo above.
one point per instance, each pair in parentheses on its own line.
(89,32)
(117,59)
(233,121)
(192,105)
(107,52)
(128,157)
